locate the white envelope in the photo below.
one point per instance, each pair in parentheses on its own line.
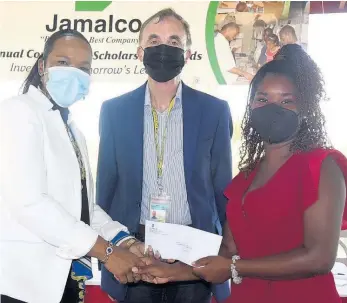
(182,243)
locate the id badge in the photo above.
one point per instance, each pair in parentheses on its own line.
(159,207)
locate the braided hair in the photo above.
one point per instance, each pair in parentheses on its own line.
(295,64)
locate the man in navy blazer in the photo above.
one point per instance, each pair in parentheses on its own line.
(164,136)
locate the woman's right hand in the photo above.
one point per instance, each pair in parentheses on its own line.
(161,272)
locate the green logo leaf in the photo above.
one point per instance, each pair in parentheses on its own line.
(209,37)
(91,6)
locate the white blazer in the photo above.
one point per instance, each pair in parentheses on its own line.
(40,201)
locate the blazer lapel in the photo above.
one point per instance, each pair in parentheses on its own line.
(191,124)
(134,124)
(62,147)
(57,123)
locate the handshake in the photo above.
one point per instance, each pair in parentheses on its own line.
(130,264)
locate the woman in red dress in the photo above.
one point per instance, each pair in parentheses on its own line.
(286,205)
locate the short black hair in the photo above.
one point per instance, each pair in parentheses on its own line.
(295,64)
(167,13)
(230,25)
(34,77)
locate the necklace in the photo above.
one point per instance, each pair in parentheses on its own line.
(78,153)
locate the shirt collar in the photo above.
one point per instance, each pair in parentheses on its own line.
(178,97)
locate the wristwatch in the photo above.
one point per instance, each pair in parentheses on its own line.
(130,242)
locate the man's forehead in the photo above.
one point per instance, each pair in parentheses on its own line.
(168,26)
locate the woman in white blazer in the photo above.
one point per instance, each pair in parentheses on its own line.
(50,226)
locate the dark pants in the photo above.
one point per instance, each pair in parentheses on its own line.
(187,292)
(70,294)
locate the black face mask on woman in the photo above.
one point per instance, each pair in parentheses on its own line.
(163,62)
(274,123)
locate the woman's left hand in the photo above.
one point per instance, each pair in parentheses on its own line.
(213,269)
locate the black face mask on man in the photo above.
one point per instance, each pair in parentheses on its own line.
(163,62)
(274,123)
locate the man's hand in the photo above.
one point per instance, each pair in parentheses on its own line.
(120,264)
(213,269)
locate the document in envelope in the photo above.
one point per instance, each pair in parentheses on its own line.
(179,242)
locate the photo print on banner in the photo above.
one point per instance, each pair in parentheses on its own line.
(243,36)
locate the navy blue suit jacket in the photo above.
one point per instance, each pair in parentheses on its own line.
(207,131)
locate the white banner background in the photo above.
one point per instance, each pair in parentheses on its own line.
(23,30)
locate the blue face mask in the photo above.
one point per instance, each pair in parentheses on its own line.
(67,85)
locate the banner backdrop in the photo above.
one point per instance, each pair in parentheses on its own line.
(113,30)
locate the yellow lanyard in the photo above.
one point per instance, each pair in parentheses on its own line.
(160,152)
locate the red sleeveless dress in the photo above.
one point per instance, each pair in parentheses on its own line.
(271,222)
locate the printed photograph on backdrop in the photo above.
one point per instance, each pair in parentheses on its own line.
(249,34)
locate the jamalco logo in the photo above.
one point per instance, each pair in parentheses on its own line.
(109,25)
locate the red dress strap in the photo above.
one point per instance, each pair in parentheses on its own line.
(311,176)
